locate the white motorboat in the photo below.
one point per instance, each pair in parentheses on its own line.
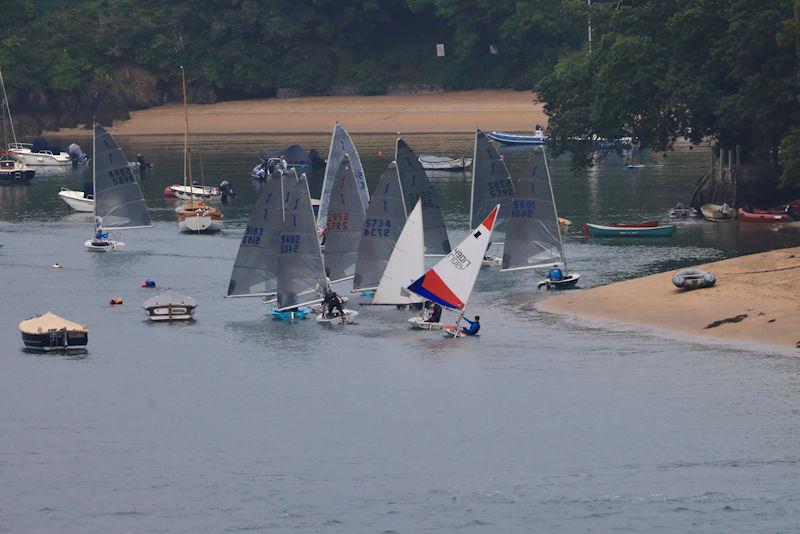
(43,158)
(187,192)
(77,200)
(444,163)
(169,306)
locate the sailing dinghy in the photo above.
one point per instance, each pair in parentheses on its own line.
(416,186)
(450,282)
(491,184)
(119,203)
(341,146)
(533,238)
(344,224)
(406,264)
(255,270)
(384,221)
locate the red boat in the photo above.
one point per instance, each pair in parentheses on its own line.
(762,216)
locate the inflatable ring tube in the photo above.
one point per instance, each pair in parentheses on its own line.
(693,279)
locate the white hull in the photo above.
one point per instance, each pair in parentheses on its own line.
(185,192)
(170,314)
(199,224)
(76,200)
(437,163)
(35,159)
(419,323)
(112,246)
(349,318)
(492,261)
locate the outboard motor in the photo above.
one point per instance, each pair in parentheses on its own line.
(76,155)
(226,191)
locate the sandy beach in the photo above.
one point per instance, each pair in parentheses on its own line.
(755,300)
(445,112)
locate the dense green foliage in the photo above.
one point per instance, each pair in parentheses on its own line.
(659,69)
(250,48)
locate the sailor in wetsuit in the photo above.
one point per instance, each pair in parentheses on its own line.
(332,302)
(474,326)
(436,314)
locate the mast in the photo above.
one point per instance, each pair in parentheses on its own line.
(555,211)
(94,165)
(185,127)
(472,188)
(8,108)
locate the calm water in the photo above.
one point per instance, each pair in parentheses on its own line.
(237,422)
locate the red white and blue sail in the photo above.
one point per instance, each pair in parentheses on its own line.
(450,281)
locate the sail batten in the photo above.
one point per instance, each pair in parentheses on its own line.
(118,197)
(341,145)
(300,267)
(344,224)
(532,232)
(384,221)
(416,186)
(255,270)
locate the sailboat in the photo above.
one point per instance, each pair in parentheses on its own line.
(449,283)
(119,203)
(195,216)
(406,264)
(344,224)
(341,145)
(491,184)
(533,238)
(255,270)
(416,186)
(384,221)
(12,166)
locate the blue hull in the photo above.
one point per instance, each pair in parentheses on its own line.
(301,313)
(517,139)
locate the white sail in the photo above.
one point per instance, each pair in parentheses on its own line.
(406,264)
(341,145)
(451,280)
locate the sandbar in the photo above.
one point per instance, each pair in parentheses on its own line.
(764,288)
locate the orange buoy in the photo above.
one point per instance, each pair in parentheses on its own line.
(379,153)
(115,301)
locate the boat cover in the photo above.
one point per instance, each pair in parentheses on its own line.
(168,297)
(49,321)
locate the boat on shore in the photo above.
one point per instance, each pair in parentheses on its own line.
(718,212)
(50,332)
(761,216)
(444,163)
(538,138)
(599,230)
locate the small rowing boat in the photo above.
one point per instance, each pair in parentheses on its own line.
(599,230)
(760,216)
(718,212)
(444,163)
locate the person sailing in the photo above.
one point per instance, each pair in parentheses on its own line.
(332,302)
(555,274)
(435,315)
(100,237)
(474,326)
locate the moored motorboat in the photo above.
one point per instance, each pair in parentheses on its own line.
(538,138)
(169,306)
(187,192)
(77,200)
(760,216)
(444,163)
(693,279)
(599,230)
(40,154)
(12,169)
(718,212)
(50,332)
